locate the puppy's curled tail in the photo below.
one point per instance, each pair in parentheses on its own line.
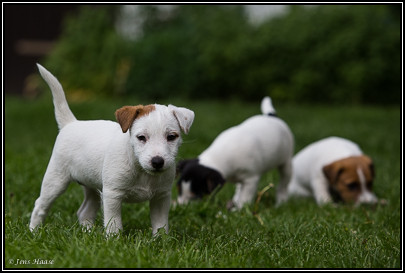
(63,114)
(267,107)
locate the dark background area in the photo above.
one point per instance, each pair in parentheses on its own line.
(30,32)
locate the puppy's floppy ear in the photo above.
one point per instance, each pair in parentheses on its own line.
(184,116)
(332,172)
(214,180)
(180,165)
(370,164)
(372,169)
(183,163)
(127,114)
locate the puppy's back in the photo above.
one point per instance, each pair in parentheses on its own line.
(83,145)
(322,152)
(254,142)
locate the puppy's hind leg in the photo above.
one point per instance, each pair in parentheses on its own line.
(88,210)
(285,172)
(53,185)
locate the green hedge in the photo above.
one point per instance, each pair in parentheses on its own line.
(327,53)
(89,54)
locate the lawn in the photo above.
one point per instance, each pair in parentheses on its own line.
(298,234)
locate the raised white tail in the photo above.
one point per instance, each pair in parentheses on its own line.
(267,107)
(63,114)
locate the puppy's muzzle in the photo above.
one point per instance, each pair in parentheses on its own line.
(157,163)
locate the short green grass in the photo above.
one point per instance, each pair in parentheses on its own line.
(298,234)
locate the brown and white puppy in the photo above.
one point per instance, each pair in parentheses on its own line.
(333,169)
(132,160)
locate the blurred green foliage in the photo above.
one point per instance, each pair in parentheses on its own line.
(196,53)
(89,53)
(327,53)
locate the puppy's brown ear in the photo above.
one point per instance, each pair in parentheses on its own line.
(370,164)
(372,169)
(332,172)
(126,116)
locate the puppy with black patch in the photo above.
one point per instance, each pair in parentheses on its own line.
(241,155)
(333,169)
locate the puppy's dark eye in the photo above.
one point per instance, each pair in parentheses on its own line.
(172,137)
(141,138)
(353,186)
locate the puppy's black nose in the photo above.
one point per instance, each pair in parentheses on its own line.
(157,162)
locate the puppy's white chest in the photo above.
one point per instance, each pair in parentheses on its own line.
(146,187)
(138,194)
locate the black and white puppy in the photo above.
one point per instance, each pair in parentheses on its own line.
(241,155)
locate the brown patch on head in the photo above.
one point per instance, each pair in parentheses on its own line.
(344,179)
(127,114)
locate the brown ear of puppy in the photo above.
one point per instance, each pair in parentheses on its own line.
(370,164)
(332,172)
(126,115)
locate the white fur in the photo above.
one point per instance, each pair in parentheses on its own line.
(267,106)
(102,158)
(366,196)
(243,153)
(308,178)
(186,193)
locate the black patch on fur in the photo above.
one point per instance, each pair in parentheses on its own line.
(203,180)
(272,115)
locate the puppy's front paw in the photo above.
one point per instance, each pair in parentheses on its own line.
(230,205)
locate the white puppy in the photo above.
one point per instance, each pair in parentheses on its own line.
(132,160)
(333,169)
(241,154)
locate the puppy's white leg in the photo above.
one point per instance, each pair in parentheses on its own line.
(296,189)
(88,210)
(231,204)
(159,212)
(237,193)
(320,189)
(53,185)
(112,212)
(285,177)
(246,191)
